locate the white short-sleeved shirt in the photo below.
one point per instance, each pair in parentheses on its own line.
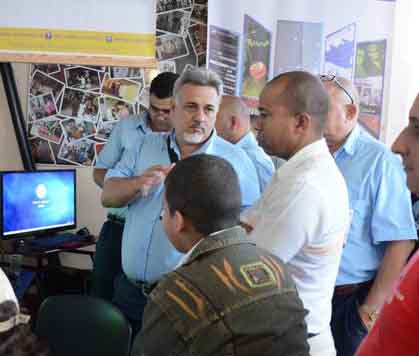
(6,289)
(302,217)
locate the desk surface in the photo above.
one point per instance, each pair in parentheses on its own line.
(76,246)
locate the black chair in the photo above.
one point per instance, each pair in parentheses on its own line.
(80,325)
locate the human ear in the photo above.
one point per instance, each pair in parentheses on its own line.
(179,222)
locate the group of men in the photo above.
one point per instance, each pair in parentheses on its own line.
(184,179)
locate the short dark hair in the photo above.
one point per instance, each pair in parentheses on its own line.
(162,85)
(305,93)
(206,190)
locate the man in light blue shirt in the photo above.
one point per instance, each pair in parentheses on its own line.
(233,125)
(137,181)
(382,231)
(124,136)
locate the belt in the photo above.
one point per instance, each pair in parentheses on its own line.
(347,289)
(145,287)
(116,219)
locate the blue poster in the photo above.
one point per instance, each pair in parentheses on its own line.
(340,52)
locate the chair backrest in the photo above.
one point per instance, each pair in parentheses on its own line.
(79,325)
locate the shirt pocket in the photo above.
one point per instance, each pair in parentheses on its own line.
(361,218)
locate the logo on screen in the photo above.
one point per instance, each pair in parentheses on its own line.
(41,191)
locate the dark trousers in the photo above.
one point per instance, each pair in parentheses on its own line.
(130,300)
(107,262)
(347,327)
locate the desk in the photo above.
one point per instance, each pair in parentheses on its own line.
(45,261)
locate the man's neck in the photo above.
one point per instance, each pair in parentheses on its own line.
(335,146)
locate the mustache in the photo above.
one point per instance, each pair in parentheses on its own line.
(197,126)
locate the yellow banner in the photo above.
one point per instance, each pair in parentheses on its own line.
(82,42)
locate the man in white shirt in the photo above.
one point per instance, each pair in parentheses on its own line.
(303,215)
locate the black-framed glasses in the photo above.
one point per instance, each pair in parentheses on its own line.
(157,110)
(334,79)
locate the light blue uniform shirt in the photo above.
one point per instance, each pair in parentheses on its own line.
(147,253)
(262,162)
(124,136)
(380,201)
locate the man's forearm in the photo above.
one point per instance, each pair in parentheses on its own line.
(118,192)
(391,267)
(99,176)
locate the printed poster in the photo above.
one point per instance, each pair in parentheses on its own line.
(256,58)
(369,80)
(223,57)
(340,52)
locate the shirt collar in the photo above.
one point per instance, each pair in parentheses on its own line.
(309,152)
(144,123)
(205,148)
(219,239)
(350,144)
(247,140)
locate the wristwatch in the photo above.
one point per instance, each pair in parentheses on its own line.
(371,313)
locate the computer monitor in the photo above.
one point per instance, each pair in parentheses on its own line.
(37,202)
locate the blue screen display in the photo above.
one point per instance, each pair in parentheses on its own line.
(37,201)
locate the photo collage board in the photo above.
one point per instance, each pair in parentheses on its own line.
(73,109)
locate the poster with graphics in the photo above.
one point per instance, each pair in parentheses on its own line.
(256,57)
(340,52)
(369,80)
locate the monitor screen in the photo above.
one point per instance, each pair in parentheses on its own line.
(37,202)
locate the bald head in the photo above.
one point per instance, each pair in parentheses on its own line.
(233,119)
(343,111)
(302,92)
(341,88)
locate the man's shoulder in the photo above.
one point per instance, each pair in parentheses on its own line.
(372,147)
(228,151)
(253,267)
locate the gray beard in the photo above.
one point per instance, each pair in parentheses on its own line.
(193,138)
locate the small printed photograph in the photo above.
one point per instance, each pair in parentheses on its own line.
(42,83)
(104,130)
(198,34)
(48,129)
(167,66)
(81,152)
(124,89)
(76,129)
(42,106)
(98,68)
(47,68)
(190,59)
(126,72)
(171,47)
(175,22)
(201,2)
(98,148)
(169,5)
(82,78)
(149,75)
(200,14)
(80,104)
(144,99)
(41,151)
(113,109)
(202,60)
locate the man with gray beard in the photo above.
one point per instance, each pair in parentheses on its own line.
(137,181)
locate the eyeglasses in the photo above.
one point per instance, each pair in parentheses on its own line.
(157,110)
(333,78)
